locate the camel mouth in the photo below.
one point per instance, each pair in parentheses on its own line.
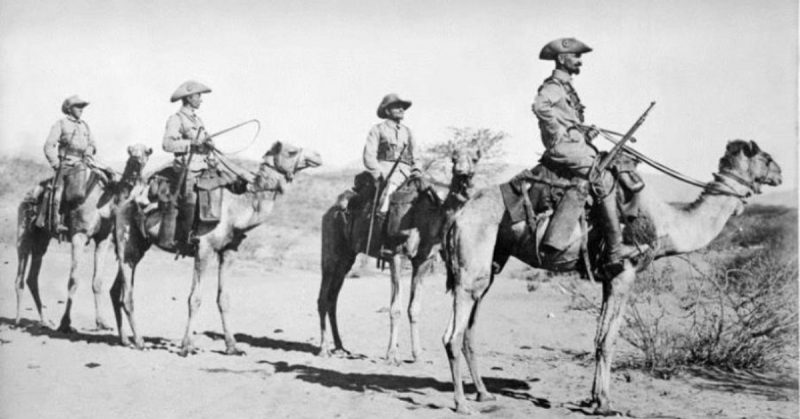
(313,161)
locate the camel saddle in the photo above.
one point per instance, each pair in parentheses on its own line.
(355,212)
(555,208)
(66,191)
(198,211)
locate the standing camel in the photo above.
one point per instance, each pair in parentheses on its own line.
(135,232)
(417,208)
(90,221)
(480,236)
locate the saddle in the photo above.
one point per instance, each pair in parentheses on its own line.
(555,208)
(389,230)
(198,209)
(66,191)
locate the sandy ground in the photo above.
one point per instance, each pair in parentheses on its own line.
(535,355)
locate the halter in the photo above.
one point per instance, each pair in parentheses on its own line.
(730,188)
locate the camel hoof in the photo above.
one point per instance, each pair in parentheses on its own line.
(67,329)
(324,353)
(463,409)
(102,326)
(608,412)
(187,350)
(232,350)
(341,352)
(486,397)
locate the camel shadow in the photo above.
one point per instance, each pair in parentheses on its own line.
(774,387)
(35,328)
(268,343)
(402,384)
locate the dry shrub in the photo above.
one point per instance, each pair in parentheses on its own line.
(739,311)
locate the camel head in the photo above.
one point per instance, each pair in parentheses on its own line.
(138,155)
(746,163)
(464,163)
(287,159)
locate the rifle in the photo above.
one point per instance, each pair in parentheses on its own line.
(52,213)
(618,147)
(378,193)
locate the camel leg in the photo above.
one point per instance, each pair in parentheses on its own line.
(333,275)
(126,278)
(469,348)
(204,253)
(453,340)
(226,258)
(100,251)
(395,312)
(23,253)
(615,297)
(116,302)
(420,269)
(78,243)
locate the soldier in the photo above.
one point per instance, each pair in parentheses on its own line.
(69,143)
(385,144)
(568,145)
(186,137)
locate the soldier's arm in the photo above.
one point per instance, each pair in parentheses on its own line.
(555,120)
(91,148)
(51,145)
(370,156)
(173,141)
(412,147)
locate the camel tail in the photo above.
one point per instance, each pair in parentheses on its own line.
(451,255)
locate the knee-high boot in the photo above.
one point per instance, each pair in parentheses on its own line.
(616,251)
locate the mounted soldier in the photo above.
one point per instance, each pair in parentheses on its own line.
(70,148)
(390,144)
(186,137)
(569,150)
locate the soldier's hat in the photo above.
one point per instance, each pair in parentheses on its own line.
(71,101)
(189,88)
(563,46)
(389,100)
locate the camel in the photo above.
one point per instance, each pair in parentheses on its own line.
(136,231)
(90,221)
(479,237)
(419,211)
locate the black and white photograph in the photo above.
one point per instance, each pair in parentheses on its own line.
(399,209)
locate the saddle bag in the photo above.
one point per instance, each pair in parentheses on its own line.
(75,179)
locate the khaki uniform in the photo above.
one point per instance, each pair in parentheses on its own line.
(181,130)
(384,142)
(559,110)
(73,138)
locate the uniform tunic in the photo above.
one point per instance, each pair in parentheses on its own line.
(72,137)
(559,110)
(181,131)
(384,142)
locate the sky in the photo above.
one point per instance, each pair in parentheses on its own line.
(313,72)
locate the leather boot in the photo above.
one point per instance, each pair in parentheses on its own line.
(186,211)
(169,219)
(616,251)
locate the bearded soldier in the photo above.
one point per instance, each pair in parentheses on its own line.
(186,137)
(387,142)
(568,144)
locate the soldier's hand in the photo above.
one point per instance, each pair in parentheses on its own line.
(592,133)
(209,142)
(576,136)
(416,172)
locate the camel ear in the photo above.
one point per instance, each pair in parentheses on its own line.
(479,153)
(149,151)
(752,149)
(130,150)
(275,150)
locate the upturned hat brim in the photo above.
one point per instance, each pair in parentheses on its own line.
(72,101)
(388,101)
(563,46)
(187,89)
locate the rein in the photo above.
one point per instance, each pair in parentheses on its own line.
(711,187)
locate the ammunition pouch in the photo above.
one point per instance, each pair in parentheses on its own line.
(76,178)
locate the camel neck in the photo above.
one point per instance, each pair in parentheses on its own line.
(682,230)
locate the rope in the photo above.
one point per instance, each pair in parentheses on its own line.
(664,169)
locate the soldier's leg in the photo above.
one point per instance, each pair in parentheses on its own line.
(606,206)
(167,206)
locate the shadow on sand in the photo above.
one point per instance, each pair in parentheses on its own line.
(773,387)
(110,338)
(403,384)
(268,343)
